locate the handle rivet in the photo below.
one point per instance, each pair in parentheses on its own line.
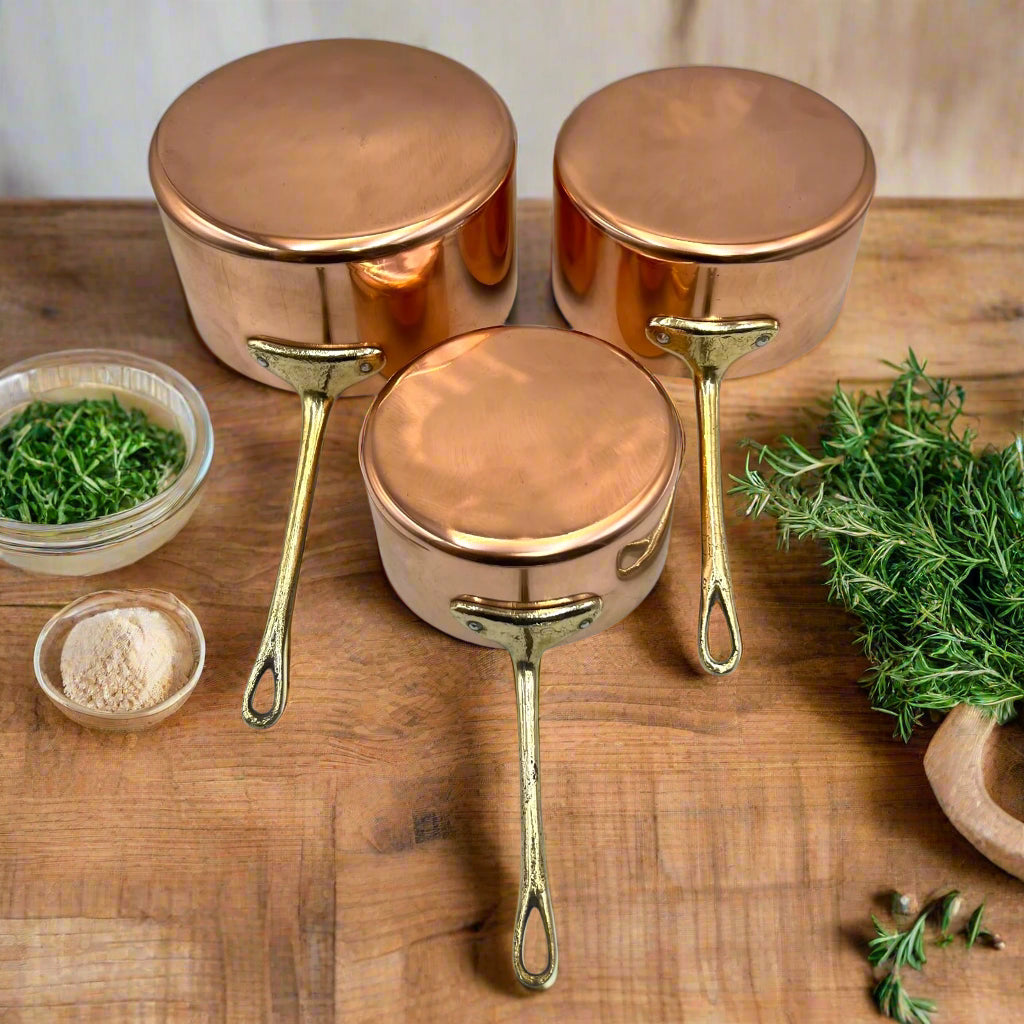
(474,625)
(762,341)
(365,367)
(662,338)
(262,362)
(585,622)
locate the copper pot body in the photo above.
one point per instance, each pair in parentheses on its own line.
(607,288)
(707,193)
(403,303)
(617,557)
(344,192)
(427,579)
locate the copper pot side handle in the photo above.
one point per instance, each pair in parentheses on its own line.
(638,554)
(319,376)
(709,347)
(526,631)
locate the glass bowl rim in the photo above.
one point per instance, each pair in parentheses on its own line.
(70,538)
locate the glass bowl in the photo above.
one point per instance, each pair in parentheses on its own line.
(110,542)
(50,644)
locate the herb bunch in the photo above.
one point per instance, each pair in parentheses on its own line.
(925,540)
(74,462)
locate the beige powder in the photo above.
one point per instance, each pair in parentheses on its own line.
(125,659)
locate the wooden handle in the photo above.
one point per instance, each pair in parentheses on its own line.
(955,766)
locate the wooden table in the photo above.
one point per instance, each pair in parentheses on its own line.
(715,844)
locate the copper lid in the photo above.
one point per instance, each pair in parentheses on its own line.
(715,164)
(520,444)
(330,150)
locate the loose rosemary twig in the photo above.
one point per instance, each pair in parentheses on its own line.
(74,462)
(897,949)
(925,540)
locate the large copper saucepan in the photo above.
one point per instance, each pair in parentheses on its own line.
(521,482)
(332,207)
(708,214)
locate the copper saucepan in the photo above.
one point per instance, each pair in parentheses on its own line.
(332,207)
(708,214)
(521,483)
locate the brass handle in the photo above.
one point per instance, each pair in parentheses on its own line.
(709,347)
(716,580)
(319,375)
(275,645)
(534,891)
(638,554)
(526,631)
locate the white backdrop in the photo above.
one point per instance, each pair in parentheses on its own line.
(937,85)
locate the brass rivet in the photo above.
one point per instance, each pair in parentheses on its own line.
(762,340)
(365,367)
(474,625)
(585,622)
(262,361)
(662,338)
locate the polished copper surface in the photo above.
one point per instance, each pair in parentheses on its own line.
(719,164)
(330,150)
(707,192)
(521,464)
(520,444)
(345,192)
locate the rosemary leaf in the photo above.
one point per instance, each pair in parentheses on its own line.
(974,925)
(950,906)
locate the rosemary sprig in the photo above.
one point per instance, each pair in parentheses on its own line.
(902,949)
(894,1001)
(925,541)
(74,462)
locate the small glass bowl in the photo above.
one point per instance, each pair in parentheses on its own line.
(110,542)
(50,644)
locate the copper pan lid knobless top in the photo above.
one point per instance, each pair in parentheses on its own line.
(712,164)
(331,150)
(520,445)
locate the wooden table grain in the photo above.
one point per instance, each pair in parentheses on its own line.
(715,844)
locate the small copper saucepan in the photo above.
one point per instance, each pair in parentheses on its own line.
(332,207)
(708,214)
(521,483)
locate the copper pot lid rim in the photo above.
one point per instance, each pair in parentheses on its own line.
(302,146)
(592,166)
(321,251)
(427,519)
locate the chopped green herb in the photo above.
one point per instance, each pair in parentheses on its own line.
(76,461)
(924,538)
